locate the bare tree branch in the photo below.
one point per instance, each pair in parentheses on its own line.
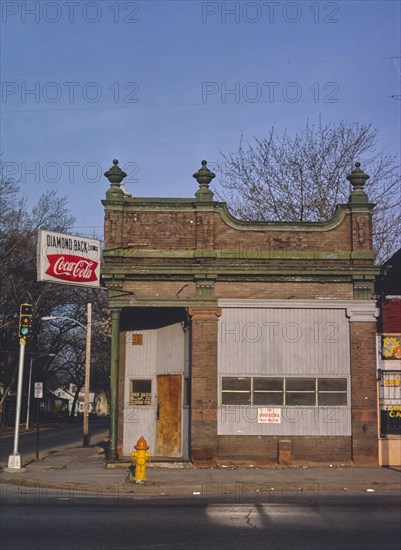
(303,178)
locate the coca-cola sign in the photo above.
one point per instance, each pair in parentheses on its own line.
(71,268)
(68,259)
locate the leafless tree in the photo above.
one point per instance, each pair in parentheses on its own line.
(303,177)
(18,240)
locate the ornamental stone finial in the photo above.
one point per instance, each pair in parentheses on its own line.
(204,176)
(358,178)
(115,176)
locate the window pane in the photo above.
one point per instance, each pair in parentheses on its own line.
(141,392)
(267,398)
(233,398)
(231,383)
(332,399)
(268,384)
(294,398)
(332,384)
(141,386)
(300,384)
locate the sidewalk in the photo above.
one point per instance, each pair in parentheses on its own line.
(83,469)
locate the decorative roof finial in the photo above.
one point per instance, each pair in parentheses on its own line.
(358,178)
(204,176)
(115,176)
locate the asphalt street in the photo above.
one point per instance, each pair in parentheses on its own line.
(51,438)
(58,520)
(72,498)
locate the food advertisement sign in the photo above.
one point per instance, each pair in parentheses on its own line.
(391,347)
(68,259)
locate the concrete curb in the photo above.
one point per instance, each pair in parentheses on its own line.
(84,471)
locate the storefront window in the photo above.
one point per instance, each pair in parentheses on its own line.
(300,391)
(268,391)
(140,392)
(284,391)
(236,391)
(332,391)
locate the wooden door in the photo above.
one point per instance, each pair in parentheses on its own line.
(168,423)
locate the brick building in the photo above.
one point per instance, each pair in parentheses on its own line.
(388,289)
(236,341)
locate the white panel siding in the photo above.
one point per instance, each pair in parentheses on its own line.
(162,352)
(140,362)
(283,341)
(322,421)
(170,350)
(259,341)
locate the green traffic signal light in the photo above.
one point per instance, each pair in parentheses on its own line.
(25,320)
(24,325)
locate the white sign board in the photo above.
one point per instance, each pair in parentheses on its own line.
(38,390)
(269,415)
(68,259)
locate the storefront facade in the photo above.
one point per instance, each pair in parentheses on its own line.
(240,342)
(389,361)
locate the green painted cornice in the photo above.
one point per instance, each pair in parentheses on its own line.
(133,301)
(239,254)
(115,203)
(140,272)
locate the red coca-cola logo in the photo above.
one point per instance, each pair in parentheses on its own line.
(71,268)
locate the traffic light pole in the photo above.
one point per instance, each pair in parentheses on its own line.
(14,460)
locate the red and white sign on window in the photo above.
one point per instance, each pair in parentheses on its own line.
(269,415)
(68,259)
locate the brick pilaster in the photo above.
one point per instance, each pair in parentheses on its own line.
(204,331)
(364,393)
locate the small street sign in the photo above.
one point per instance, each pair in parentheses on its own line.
(38,390)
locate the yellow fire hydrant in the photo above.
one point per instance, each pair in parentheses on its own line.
(139,458)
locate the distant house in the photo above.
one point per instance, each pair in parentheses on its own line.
(102,407)
(70,394)
(53,407)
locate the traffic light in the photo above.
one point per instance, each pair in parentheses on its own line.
(25,320)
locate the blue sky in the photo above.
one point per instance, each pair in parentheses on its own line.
(162,85)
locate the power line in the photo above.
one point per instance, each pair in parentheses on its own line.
(209,66)
(200,104)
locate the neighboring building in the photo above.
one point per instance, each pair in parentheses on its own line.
(388,289)
(102,407)
(241,342)
(53,407)
(70,394)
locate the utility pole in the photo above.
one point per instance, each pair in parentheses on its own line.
(87,374)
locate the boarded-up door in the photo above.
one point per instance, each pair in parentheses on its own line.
(168,431)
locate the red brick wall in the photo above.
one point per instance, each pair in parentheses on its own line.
(161,289)
(228,238)
(364,393)
(283,291)
(264,450)
(390,315)
(191,229)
